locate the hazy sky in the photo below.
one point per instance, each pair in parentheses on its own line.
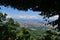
(14,13)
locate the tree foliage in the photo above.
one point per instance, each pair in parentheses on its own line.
(7,27)
(24,34)
(10,30)
(38,5)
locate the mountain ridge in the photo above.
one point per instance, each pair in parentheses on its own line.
(31,22)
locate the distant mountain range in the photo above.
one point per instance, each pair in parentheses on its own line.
(31,22)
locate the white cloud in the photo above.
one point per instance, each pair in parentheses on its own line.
(9,16)
(24,17)
(28,17)
(54,17)
(32,17)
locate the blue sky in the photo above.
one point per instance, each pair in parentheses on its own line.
(18,14)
